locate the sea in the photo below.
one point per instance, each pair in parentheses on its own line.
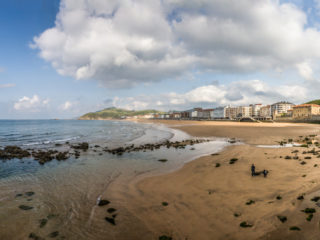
(65,193)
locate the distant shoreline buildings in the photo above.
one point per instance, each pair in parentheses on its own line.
(278,111)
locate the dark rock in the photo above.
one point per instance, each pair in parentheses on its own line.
(315,199)
(233,160)
(29,194)
(163,160)
(35,237)
(218,164)
(294,228)
(110,220)
(111,210)
(19,195)
(24,207)
(309,210)
(301,197)
(279,197)
(282,218)
(53,234)
(165,204)
(250,202)
(245,225)
(237,214)
(43,222)
(164,237)
(62,156)
(81,146)
(11,152)
(103,202)
(309,218)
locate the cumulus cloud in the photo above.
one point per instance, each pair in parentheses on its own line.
(32,104)
(67,105)
(236,93)
(305,71)
(125,42)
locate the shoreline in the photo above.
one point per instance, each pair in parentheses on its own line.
(203,200)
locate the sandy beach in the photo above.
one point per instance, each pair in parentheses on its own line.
(209,198)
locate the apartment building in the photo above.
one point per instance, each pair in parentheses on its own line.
(281,108)
(305,111)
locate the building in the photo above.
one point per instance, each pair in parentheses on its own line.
(280,108)
(218,113)
(305,111)
(265,111)
(256,109)
(230,112)
(202,113)
(244,112)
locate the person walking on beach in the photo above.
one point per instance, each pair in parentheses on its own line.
(265,172)
(253,170)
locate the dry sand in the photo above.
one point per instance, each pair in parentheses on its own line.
(203,199)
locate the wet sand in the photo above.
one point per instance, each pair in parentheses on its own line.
(209,202)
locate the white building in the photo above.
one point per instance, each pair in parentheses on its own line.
(256,109)
(281,108)
(265,111)
(218,112)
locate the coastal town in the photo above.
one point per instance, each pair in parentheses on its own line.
(279,111)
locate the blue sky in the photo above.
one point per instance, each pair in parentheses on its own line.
(63,59)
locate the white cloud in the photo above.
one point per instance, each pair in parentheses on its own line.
(7,85)
(121,43)
(305,71)
(32,104)
(67,105)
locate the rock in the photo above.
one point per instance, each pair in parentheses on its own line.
(19,195)
(29,194)
(315,199)
(11,152)
(309,218)
(43,222)
(301,197)
(309,210)
(164,237)
(103,202)
(110,220)
(81,146)
(62,156)
(163,160)
(282,218)
(245,225)
(165,204)
(53,234)
(111,210)
(278,197)
(250,202)
(35,237)
(233,160)
(24,207)
(218,164)
(294,228)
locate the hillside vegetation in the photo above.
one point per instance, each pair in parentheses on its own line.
(114,113)
(317,101)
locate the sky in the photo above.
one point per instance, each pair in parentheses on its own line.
(61,59)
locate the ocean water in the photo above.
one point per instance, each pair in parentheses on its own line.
(69,190)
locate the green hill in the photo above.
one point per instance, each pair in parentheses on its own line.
(115,113)
(317,101)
